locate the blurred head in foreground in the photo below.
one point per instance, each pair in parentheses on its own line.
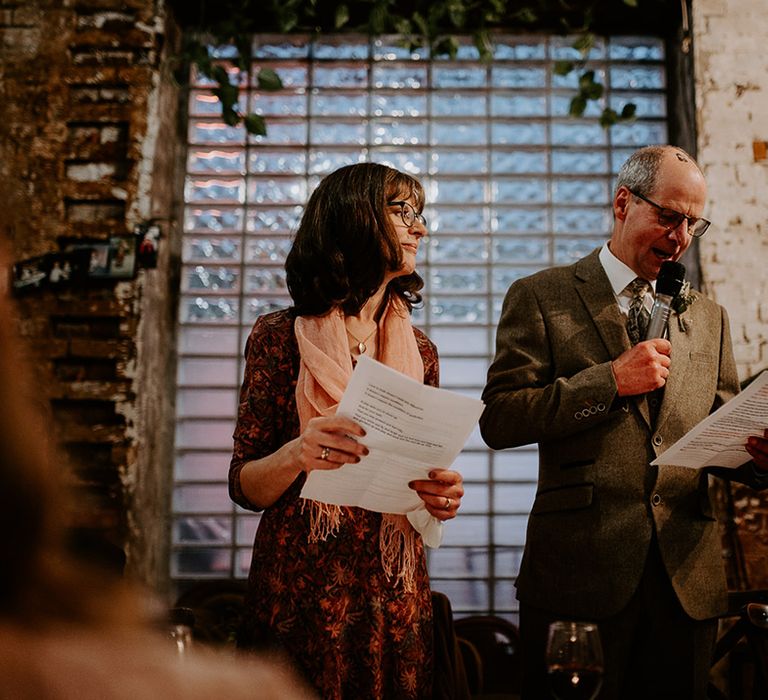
(68,630)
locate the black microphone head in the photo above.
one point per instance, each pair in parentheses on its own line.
(671,278)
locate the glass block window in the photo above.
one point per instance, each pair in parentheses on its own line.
(513,185)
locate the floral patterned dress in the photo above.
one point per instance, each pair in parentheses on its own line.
(329,604)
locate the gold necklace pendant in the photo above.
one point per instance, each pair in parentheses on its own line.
(361,344)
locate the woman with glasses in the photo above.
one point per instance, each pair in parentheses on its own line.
(342,590)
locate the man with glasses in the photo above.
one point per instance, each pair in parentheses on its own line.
(611,538)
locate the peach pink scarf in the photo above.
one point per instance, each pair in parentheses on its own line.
(324,370)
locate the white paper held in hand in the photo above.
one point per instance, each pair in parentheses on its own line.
(719,440)
(410,428)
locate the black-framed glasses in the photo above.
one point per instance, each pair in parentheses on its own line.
(408,214)
(671,219)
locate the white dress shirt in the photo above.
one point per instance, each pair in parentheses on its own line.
(620,276)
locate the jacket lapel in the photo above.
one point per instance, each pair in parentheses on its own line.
(596,294)
(593,287)
(681,346)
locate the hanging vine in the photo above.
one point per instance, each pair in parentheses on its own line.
(437,24)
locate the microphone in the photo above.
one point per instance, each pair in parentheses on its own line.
(668,285)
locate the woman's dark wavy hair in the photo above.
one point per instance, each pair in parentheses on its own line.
(346,243)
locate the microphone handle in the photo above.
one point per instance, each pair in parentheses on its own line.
(657,323)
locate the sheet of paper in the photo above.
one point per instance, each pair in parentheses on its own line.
(718,441)
(410,428)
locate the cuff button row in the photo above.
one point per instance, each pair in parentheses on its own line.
(589,411)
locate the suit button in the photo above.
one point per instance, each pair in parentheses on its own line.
(657,439)
(655,499)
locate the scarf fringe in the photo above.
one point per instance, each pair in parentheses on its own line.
(398,550)
(324,520)
(397,540)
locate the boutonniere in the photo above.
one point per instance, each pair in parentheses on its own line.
(681,302)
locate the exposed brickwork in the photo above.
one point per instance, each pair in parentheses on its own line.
(80,88)
(732,107)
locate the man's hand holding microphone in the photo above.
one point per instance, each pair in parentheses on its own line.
(645,367)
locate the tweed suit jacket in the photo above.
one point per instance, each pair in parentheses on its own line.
(598,499)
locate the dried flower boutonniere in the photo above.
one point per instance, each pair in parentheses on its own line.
(681,302)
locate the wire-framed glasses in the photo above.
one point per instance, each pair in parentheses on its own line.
(408,214)
(671,219)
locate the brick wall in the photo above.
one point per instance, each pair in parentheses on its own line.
(732,109)
(85,155)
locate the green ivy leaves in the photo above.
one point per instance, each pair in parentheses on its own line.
(433,23)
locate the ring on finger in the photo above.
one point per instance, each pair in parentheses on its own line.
(448,503)
(325,452)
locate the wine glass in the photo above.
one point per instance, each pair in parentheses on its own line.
(574,660)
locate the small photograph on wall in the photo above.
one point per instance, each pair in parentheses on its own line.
(98,263)
(122,257)
(31,274)
(68,267)
(115,259)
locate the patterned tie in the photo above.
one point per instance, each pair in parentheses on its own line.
(637,319)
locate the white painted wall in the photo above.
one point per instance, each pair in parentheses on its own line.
(731,71)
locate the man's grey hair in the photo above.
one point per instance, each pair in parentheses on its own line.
(641,169)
